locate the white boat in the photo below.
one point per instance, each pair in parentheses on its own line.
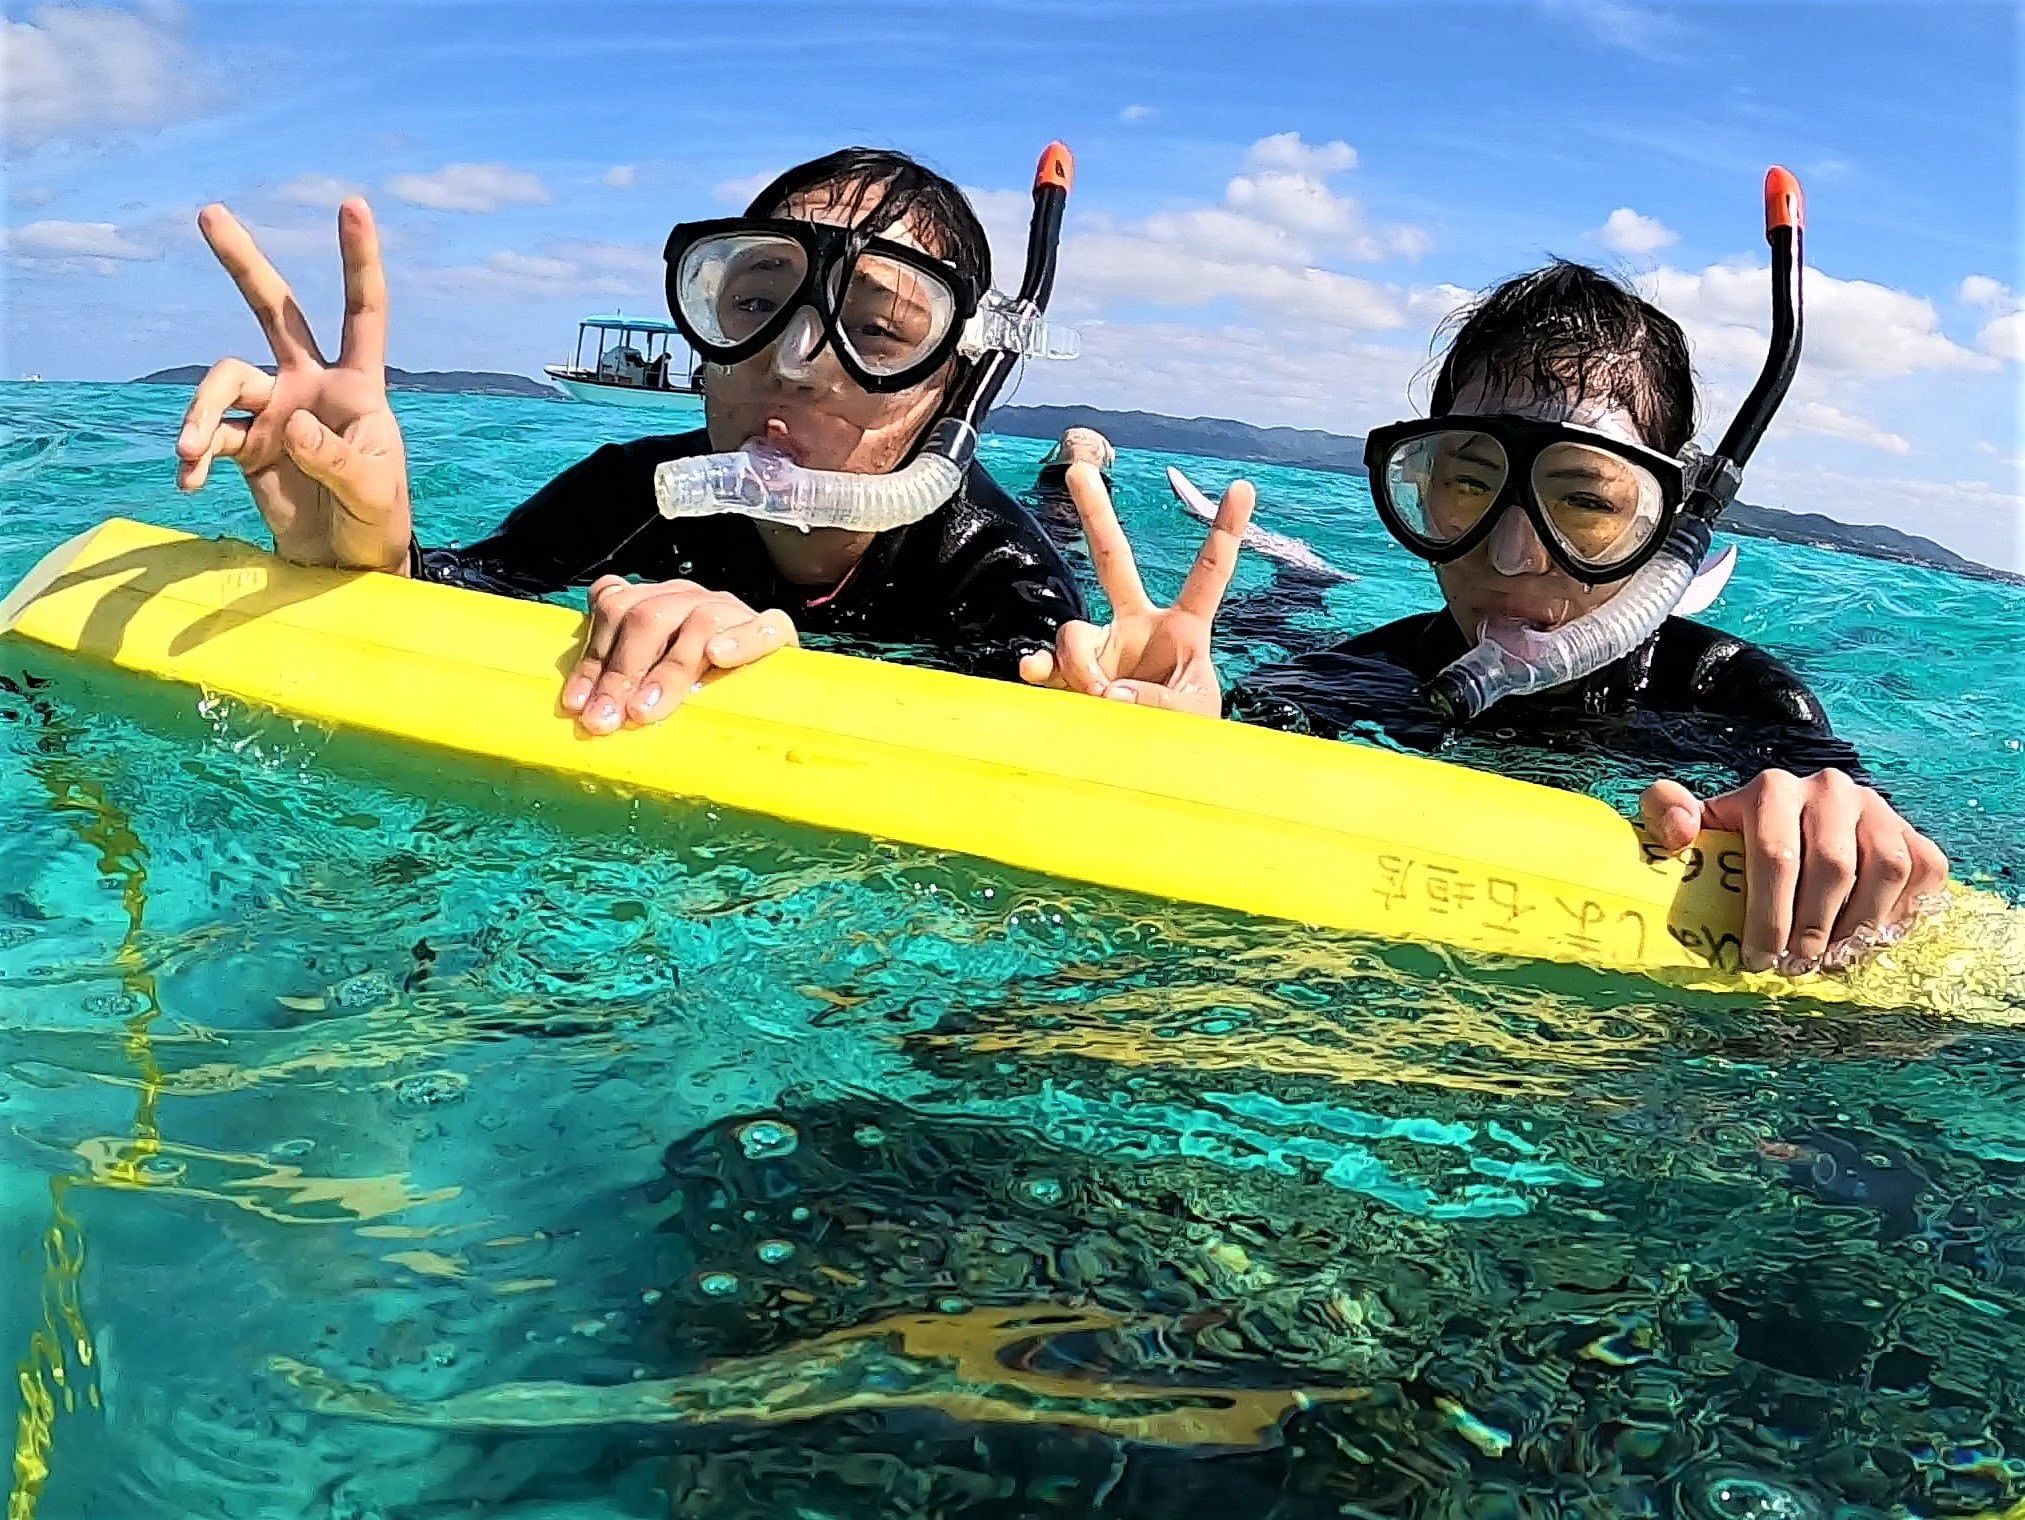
(635,362)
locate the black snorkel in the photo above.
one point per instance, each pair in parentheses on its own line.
(1494,670)
(954,435)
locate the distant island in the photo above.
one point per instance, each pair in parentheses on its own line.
(469,382)
(1219,438)
(1302,448)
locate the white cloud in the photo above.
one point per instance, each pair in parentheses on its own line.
(29,197)
(286,243)
(739,192)
(2004,338)
(1270,375)
(1854,327)
(615,260)
(1137,113)
(619,177)
(469,187)
(84,71)
(1823,420)
(322,190)
(1626,231)
(1286,151)
(1266,247)
(1992,295)
(532,267)
(577,268)
(1132,268)
(97,246)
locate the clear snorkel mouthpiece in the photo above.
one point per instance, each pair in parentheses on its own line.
(765,485)
(1510,663)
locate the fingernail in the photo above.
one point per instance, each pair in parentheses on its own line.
(1121,694)
(650,695)
(1759,960)
(721,649)
(577,693)
(1891,934)
(1801,965)
(607,711)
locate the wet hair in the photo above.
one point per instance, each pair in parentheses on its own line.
(1568,327)
(888,188)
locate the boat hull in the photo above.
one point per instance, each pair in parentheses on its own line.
(631,397)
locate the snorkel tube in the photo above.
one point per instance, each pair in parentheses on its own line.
(1529,661)
(770,487)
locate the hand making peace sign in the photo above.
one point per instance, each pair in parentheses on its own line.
(318,443)
(1153,655)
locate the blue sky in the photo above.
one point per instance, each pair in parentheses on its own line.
(1275,203)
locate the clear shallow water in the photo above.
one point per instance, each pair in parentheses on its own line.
(379,1143)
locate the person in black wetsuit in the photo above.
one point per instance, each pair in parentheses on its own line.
(1053,507)
(977,580)
(1573,366)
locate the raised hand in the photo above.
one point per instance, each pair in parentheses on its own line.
(316,441)
(1153,655)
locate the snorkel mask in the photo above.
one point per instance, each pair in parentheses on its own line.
(891,315)
(1604,508)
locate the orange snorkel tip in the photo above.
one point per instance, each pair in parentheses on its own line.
(1785,205)
(1057,168)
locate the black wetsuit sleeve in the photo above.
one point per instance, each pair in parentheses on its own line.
(1781,724)
(1327,692)
(1007,587)
(1055,509)
(566,534)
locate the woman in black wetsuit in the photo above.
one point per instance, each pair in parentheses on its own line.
(1554,359)
(976,580)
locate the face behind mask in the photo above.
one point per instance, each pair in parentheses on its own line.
(815,332)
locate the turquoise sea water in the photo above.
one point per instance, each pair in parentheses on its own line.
(378,1142)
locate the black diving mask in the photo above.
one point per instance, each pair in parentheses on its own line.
(892,314)
(1600,505)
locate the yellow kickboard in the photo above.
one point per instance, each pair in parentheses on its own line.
(1163,804)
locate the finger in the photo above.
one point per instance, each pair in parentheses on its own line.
(328,458)
(1189,698)
(227,441)
(1673,815)
(639,623)
(1884,868)
(228,384)
(611,598)
(1079,655)
(1037,668)
(674,676)
(1769,820)
(742,643)
(1929,880)
(266,293)
(363,343)
(1203,592)
(1110,552)
(1828,867)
